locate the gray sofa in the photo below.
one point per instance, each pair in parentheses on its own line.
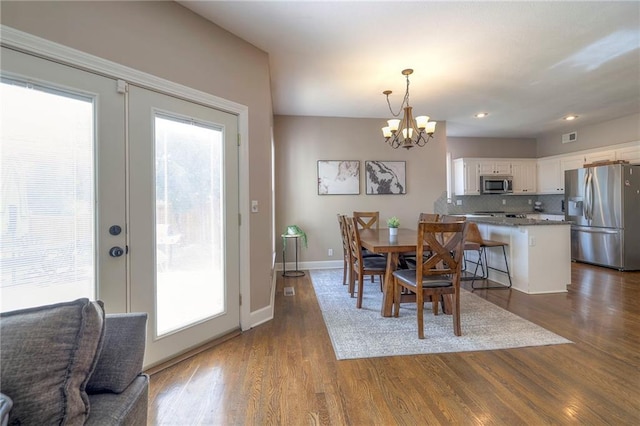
(71,364)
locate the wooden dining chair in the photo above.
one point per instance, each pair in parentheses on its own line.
(438,277)
(408,260)
(367,220)
(447,218)
(346,251)
(428,217)
(362,266)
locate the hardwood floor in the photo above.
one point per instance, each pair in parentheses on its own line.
(285,373)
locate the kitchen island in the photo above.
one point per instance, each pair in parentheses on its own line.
(539,252)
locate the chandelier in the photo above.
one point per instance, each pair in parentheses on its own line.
(407,133)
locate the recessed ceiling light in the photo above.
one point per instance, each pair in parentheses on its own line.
(481,114)
(570,117)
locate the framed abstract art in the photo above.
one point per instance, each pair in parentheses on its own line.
(385,177)
(338,177)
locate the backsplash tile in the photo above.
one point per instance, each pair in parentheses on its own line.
(513,203)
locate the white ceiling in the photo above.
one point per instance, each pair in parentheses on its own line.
(527,64)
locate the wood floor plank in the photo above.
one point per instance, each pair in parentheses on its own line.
(284,372)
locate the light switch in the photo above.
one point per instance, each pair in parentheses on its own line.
(254,206)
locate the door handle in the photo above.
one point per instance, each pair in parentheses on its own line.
(587,196)
(116,251)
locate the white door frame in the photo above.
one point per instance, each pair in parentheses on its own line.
(31,44)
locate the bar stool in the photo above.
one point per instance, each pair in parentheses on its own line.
(474,238)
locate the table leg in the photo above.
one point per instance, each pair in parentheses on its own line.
(387,294)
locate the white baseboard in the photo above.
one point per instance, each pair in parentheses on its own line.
(324,264)
(266,314)
(261,316)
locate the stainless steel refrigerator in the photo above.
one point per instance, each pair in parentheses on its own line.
(603,203)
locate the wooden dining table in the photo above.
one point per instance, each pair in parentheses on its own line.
(379,241)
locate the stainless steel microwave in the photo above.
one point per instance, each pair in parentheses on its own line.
(496,184)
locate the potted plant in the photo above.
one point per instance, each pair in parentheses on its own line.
(295,230)
(393,223)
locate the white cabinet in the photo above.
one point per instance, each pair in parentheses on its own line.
(571,163)
(593,157)
(524,176)
(466,176)
(550,177)
(539,256)
(629,153)
(494,167)
(467,172)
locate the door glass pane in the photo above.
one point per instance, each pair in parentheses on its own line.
(47,196)
(189,264)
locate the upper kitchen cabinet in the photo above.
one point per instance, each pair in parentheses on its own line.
(524,176)
(549,180)
(593,157)
(466,178)
(494,167)
(550,177)
(630,153)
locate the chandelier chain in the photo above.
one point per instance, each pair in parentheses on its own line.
(405,101)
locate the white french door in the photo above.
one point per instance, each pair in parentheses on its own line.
(184,229)
(130,198)
(62,160)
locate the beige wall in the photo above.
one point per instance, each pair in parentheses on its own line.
(301,141)
(169,41)
(621,130)
(492,147)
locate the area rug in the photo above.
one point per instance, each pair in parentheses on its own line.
(364,333)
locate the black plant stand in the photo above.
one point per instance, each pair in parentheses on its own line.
(296,272)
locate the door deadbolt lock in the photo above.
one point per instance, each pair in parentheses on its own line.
(116,251)
(115,230)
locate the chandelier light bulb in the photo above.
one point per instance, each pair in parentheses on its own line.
(421,121)
(431,127)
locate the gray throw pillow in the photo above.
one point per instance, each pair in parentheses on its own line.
(120,360)
(47,354)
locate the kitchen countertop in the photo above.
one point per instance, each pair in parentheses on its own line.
(514,221)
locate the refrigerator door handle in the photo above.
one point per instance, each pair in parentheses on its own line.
(588,196)
(585,208)
(590,230)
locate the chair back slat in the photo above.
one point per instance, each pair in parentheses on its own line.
(367,220)
(428,217)
(446,246)
(343,233)
(449,218)
(354,239)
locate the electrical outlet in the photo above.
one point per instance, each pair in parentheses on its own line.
(529,202)
(330,252)
(458,202)
(504,202)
